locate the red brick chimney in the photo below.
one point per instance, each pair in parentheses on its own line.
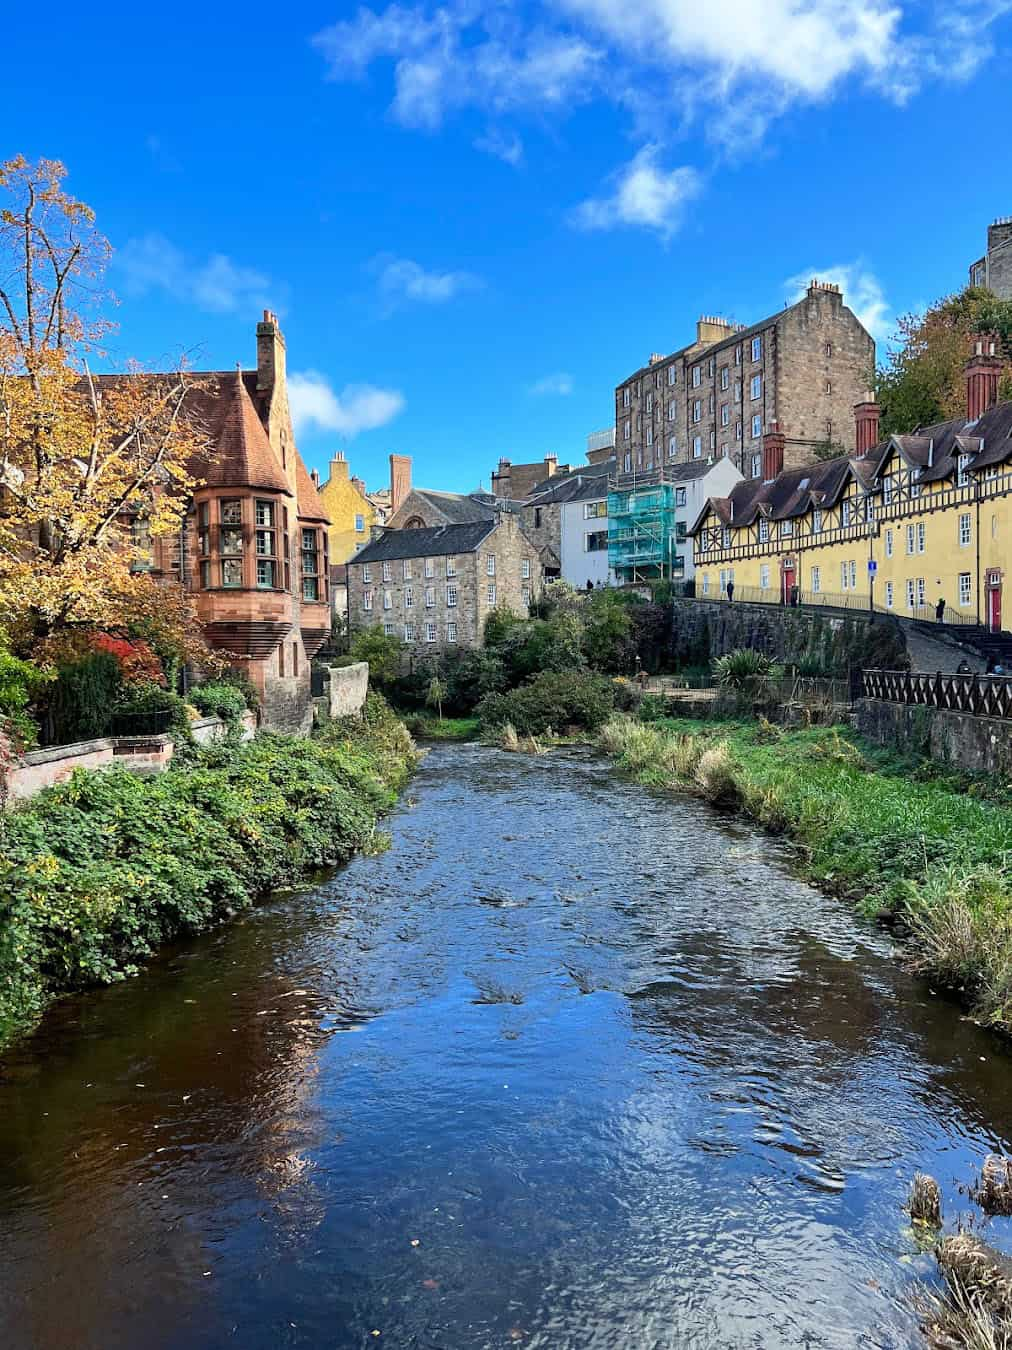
(983,371)
(866,419)
(773,452)
(400,480)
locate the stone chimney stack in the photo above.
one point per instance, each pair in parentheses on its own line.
(551,465)
(356,482)
(866,420)
(983,371)
(400,480)
(315,476)
(773,452)
(270,356)
(339,468)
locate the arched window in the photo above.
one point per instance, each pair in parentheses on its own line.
(415,523)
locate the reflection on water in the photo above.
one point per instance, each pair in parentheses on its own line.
(570,1066)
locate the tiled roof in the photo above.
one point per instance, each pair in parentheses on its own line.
(310,505)
(433,542)
(242,455)
(605,467)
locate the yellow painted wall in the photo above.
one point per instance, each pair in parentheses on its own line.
(347,507)
(943,546)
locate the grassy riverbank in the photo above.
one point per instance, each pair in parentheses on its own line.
(429,727)
(904,840)
(97,873)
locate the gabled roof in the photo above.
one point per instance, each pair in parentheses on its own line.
(311,506)
(599,470)
(575,487)
(459,508)
(433,542)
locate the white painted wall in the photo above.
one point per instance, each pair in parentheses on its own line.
(722,477)
(579,566)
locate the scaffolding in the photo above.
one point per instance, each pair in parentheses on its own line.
(642,532)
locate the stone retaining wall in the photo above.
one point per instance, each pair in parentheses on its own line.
(348,688)
(140,754)
(975,744)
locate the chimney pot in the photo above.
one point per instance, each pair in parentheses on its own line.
(983,371)
(866,425)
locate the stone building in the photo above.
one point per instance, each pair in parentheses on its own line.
(565,516)
(434,587)
(514,481)
(803,368)
(916,520)
(994,270)
(254,549)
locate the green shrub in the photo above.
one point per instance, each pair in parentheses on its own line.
(553,701)
(20,684)
(384,654)
(99,871)
(82,701)
(134,700)
(219,700)
(237,678)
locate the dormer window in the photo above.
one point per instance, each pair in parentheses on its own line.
(963,470)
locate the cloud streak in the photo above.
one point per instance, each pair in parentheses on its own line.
(403,281)
(151,263)
(560,385)
(862,292)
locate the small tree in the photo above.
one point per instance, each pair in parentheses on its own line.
(435,694)
(382,652)
(80,456)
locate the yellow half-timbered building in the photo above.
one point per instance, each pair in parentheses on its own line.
(919,525)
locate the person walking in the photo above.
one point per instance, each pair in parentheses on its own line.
(730,590)
(940,610)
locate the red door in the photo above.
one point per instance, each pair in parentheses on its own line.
(994,608)
(787,575)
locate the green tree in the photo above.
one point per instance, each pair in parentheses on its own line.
(435,694)
(921,381)
(382,652)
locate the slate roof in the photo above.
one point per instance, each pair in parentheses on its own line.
(459,508)
(605,467)
(933,451)
(433,542)
(573,488)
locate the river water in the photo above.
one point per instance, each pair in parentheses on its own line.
(572,1065)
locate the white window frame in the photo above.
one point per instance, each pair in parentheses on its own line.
(964,581)
(764,576)
(889,543)
(430,597)
(490,564)
(755,389)
(922,537)
(965,529)
(697,375)
(430,567)
(757,426)
(816,580)
(451,631)
(451,567)
(387,572)
(671,375)
(367,601)
(757,348)
(406,570)
(817,521)
(366,573)
(697,447)
(409,597)
(409,632)
(764,530)
(490,593)
(388,602)
(430,632)
(451,597)
(525,563)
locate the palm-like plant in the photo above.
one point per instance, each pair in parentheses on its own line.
(745,672)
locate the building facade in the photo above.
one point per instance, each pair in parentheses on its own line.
(352,513)
(650,514)
(803,368)
(994,270)
(434,587)
(917,520)
(254,549)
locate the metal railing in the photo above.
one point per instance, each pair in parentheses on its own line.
(979,695)
(851,600)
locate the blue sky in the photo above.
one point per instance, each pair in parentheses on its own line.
(475,220)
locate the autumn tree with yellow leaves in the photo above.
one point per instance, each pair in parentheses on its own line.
(84,458)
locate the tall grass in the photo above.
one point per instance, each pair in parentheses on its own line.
(929,856)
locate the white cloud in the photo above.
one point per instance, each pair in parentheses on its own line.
(664,60)
(561,384)
(153,263)
(645,195)
(862,292)
(401,280)
(504,145)
(358,407)
(455,57)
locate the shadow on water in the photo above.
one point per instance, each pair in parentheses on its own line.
(571,1065)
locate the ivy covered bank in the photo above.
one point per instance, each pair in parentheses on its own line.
(97,873)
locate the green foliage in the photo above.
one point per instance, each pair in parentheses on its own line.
(921,382)
(435,694)
(82,700)
(498,624)
(219,700)
(608,643)
(532,646)
(384,654)
(237,678)
(20,684)
(134,700)
(745,672)
(551,701)
(96,873)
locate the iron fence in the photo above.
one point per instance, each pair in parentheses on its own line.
(979,695)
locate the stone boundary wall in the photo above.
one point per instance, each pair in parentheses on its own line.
(703,629)
(40,769)
(974,744)
(348,688)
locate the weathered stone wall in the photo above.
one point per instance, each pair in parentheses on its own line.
(975,744)
(822,644)
(348,688)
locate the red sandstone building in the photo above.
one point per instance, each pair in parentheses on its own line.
(254,548)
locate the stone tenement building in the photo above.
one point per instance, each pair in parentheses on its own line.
(434,587)
(803,368)
(254,548)
(994,270)
(915,520)
(514,481)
